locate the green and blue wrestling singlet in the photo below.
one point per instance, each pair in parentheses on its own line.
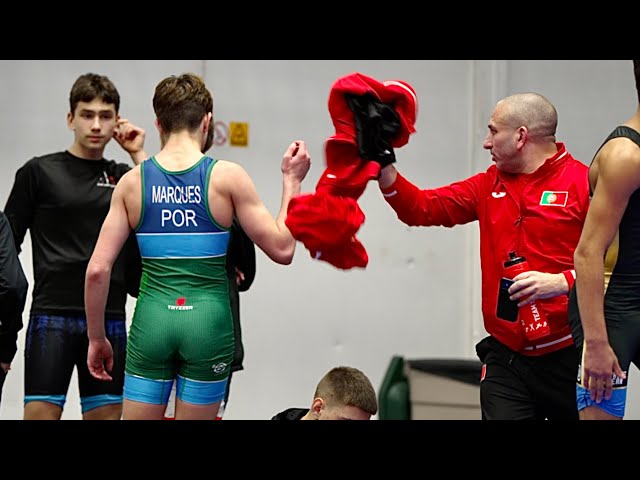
(182,326)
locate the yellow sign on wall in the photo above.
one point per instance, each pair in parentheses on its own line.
(238,134)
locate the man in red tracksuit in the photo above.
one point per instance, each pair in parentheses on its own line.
(533,201)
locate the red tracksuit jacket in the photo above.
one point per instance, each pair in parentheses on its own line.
(540,216)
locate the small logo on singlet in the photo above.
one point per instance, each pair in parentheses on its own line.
(180,305)
(106,181)
(219,368)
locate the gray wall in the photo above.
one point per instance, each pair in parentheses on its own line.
(419,295)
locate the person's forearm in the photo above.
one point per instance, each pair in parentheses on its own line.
(290,188)
(138,157)
(286,243)
(590,290)
(95,299)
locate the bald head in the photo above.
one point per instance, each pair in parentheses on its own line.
(530,110)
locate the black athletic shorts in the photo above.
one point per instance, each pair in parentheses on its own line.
(55,345)
(519,387)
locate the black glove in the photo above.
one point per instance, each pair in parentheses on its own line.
(376,125)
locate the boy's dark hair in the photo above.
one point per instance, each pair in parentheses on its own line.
(90,86)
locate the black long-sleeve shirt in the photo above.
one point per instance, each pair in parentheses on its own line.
(13,293)
(63,200)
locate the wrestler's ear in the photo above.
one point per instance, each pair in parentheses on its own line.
(316,407)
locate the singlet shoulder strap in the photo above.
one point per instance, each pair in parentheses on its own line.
(628,132)
(621,131)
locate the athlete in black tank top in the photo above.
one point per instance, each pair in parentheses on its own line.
(606,328)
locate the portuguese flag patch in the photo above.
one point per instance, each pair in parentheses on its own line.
(554,199)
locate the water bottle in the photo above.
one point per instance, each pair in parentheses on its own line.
(532,319)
